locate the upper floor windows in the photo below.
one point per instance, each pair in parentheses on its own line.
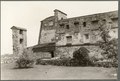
(21,41)
(84,24)
(67,27)
(21,32)
(114,19)
(45,24)
(50,23)
(114,22)
(95,22)
(61,25)
(76,23)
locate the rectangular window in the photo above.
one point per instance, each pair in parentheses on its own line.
(69,39)
(21,41)
(76,23)
(114,22)
(86,36)
(45,24)
(61,25)
(50,23)
(67,26)
(95,23)
(84,24)
(114,19)
(21,32)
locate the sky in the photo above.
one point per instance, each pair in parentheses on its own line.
(28,14)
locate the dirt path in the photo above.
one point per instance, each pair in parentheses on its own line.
(42,72)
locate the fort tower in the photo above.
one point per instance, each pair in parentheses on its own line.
(19,38)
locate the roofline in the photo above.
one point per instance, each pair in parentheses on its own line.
(48,18)
(19,28)
(89,15)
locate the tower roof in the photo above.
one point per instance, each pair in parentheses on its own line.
(19,28)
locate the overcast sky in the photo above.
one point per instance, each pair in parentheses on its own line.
(28,14)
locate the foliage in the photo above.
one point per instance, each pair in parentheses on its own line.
(58,62)
(81,57)
(110,46)
(25,61)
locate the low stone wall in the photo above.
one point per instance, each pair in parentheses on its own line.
(43,54)
(39,54)
(67,51)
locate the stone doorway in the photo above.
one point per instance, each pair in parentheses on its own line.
(52,54)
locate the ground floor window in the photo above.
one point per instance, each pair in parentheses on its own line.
(69,39)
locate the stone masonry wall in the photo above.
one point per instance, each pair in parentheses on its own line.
(15,41)
(38,54)
(19,40)
(68,51)
(77,29)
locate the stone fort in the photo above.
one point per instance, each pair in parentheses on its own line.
(61,36)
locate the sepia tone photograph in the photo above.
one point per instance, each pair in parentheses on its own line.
(59,40)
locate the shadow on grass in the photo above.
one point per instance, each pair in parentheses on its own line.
(22,68)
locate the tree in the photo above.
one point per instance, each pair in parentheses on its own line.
(110,46)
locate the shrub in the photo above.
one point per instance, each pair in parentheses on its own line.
(81,57)
(110,52)
(106,64)
(58,62)
(25,61)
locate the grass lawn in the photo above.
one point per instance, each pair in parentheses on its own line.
(45,72)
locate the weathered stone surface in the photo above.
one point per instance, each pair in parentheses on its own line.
(68,51)
(75,31)
(83,29)
(19,40)
(38,54)
(47,36)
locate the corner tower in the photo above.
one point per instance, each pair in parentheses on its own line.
(19,38)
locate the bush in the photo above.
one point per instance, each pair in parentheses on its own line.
(58,62)
(25,61)
(110,52)
(81,57)
(106,64)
